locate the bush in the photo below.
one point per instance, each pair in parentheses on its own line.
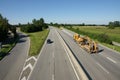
(105,38)
(37,25)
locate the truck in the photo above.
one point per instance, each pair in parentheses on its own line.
(86,43)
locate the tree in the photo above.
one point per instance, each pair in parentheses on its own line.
(51,23)
(13,30)
(111,25)
(114,24)
(4,26)
(41,21)
(37,25)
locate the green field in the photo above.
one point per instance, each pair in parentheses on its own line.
(95,31)
(36,41)
(114,34)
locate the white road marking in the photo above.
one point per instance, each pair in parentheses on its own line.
(111,60)
(24,78)
(72,65)
(102,68)
(53,77)
(26,58)
(69,58)
(31,58)
(37,59)
(28,66)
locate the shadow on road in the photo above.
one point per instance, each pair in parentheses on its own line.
(21,41)
(8,43)
(3,54)
(100,51)
(23,36)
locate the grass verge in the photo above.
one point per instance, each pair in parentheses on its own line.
(117,48)
(36,41)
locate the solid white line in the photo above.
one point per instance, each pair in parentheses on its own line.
(26,58)
(102,68)
(28,66)
(111,60)
(53,77)
(69,58)
(72,64)
(31,58)
(24,78)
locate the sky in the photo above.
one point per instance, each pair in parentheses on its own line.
(61,11)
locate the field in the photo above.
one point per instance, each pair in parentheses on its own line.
(97,32)
(114,34)
(36,41)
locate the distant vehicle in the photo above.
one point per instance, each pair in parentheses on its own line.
(49,41)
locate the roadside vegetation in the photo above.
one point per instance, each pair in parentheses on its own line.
(101,34)
(8,37)
(37,40)
(36,25)
(37,31)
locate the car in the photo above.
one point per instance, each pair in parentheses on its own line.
(49,41)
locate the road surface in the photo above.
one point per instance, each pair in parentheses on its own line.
(53,62)
(102,66)
(11,65)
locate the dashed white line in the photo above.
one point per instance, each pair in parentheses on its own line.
(28,66)
(24,78)
(111,60)
(102,68)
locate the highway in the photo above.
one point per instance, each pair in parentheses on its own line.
(11,65)
(53,62)
(102,66)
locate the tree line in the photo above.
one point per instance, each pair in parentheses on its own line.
(114,24)
(36,25)
(5,27)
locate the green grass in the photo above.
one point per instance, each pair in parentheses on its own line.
(117,48)
(114,34)
(36,40)
(94,31)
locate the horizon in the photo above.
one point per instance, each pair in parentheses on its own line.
(64,11)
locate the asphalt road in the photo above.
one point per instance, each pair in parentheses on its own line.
(53,62)
(102,66)
(11,66)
